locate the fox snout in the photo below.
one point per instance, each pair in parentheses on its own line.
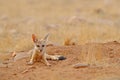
(40,50)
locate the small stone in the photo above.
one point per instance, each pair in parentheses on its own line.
(80,65)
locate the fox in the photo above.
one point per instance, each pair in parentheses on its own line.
(39,51)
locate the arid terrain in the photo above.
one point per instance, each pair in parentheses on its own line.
(86,32)
(103,60)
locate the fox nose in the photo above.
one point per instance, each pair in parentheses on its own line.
(40,50)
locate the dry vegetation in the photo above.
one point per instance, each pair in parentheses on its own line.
(69,22)
(82,20)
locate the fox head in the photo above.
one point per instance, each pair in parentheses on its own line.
(40,44)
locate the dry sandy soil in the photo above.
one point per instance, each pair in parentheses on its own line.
(83,21)
(103,60)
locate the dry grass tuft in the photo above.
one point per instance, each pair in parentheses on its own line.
(96,22)
(69,42)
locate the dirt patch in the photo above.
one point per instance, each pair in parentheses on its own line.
(103,60)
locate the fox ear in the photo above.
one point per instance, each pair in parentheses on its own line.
(34,38)
(46,37)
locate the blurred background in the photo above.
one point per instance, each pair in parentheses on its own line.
(82,21)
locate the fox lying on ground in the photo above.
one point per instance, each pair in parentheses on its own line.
(39,51)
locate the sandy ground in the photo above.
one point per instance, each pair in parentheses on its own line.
(103,60)
(81,20)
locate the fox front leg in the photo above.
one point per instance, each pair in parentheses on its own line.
(32,59)
(45,60)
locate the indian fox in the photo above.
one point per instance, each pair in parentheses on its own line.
(39,51)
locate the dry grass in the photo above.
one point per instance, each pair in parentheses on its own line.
(83,20)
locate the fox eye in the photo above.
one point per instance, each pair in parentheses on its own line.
(38,46)
(43,45)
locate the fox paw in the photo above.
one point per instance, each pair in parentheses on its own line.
(48,64)
(30,63)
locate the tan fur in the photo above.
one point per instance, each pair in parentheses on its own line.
(39,51)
